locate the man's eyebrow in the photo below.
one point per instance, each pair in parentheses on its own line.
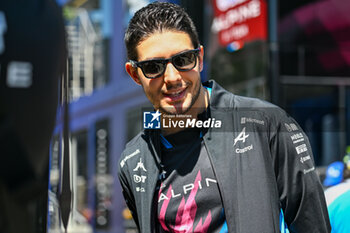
(157,58)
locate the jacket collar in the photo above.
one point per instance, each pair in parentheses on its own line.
(219,143)
(220,98)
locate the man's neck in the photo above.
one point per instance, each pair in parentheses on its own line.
(198,107)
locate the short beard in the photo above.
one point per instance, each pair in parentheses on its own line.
(183,111)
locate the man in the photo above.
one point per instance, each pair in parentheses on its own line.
(220,162)
(338,196)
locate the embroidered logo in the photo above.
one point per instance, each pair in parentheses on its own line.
(291,127)
(139,179)
(241,137)
(140,165)
(122,163)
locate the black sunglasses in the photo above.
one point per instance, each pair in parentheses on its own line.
(155,68)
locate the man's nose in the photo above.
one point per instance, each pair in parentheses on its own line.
(171,74)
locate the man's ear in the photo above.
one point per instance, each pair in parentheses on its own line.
(132,71)
(201,57)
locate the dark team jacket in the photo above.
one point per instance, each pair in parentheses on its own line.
(262,161)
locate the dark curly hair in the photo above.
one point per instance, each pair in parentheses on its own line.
(157,17)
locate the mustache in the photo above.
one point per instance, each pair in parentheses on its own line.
(172,86)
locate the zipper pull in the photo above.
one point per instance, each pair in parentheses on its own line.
(162,175)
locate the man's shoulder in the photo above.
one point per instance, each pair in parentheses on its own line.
(134,146)
(251,102)
(136,139)
(223,98)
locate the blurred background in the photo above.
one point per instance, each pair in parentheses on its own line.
(293,53)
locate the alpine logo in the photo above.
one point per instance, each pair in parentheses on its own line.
(242,136)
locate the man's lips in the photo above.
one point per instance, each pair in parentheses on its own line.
(175,95)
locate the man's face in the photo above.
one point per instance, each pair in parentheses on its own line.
(175,92)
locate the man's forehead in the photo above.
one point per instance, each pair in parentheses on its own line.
(163,45)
